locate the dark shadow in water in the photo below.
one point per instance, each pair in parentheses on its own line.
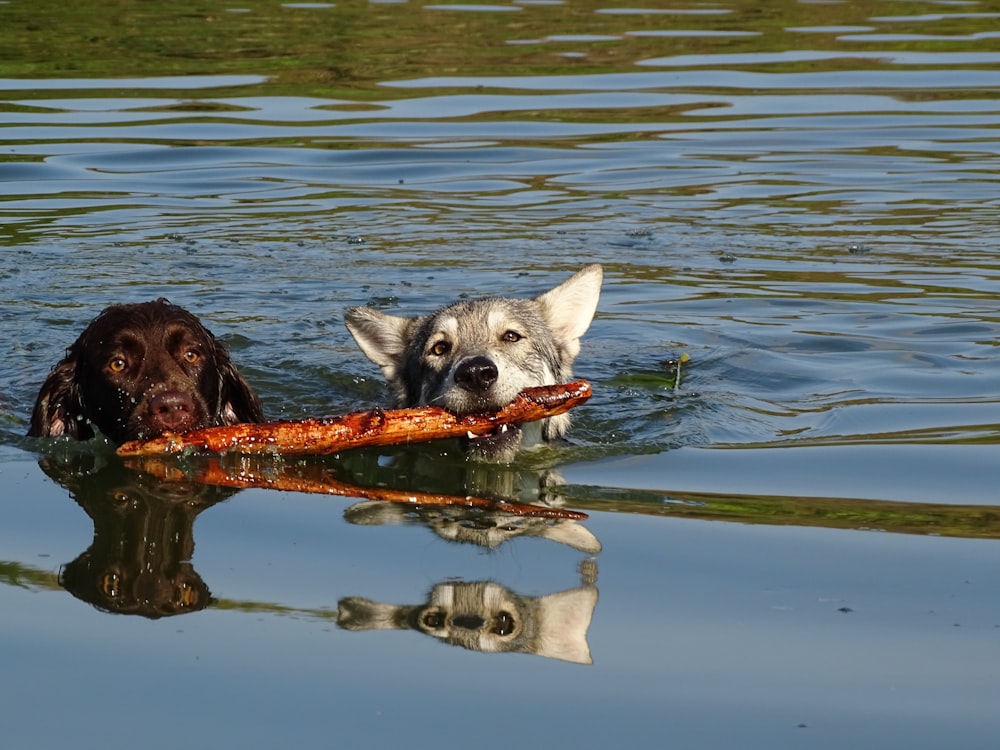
(139,562)
(144,511)
(534,486)
(487,518)
(446,469)
(486,616)
(479,526)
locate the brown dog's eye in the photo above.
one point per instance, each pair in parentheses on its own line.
(191,356)
(117,365)
(440,348)
(511,336)
(111,584)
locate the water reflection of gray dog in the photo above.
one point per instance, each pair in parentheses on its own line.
(486,616)
(139,562)
(480,526)
(458,523)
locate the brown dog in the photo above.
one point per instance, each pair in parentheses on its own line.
(140,370)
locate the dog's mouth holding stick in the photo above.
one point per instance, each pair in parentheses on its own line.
(319,437)
(377,427)
(475,355)
(505,439)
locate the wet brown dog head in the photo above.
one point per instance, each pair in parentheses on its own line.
(139,370)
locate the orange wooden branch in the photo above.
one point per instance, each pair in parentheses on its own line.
(211,472)
(314,437)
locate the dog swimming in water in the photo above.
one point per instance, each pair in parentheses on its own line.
(475,356)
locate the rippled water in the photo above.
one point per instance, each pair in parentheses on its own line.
(801,197)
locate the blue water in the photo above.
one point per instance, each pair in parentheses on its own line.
(797,537)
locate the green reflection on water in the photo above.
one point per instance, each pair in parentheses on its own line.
(970,521)
(354,45)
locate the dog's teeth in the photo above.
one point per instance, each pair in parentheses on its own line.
(503,428)
(471,435)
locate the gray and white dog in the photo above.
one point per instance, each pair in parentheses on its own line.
(486,616)
(477,355)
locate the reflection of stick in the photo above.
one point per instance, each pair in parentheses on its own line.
(210,472)
(314,437)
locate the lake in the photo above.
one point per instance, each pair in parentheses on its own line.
(789,462)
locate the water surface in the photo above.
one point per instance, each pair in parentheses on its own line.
(791,543)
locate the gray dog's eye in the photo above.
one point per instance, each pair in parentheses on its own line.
(432,620)
(504,624)
(440,348)
(511,336)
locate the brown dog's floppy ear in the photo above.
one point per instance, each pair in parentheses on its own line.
(59,406)
(239,402)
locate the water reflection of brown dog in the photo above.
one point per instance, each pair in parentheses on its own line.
(486,616)
(139,562)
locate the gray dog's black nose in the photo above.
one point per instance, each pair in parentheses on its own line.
(468,622)
(476,374)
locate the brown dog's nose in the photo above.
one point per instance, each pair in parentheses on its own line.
(476,374)
(171,409)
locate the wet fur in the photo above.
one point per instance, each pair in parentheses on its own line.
(477,355)
(174,376)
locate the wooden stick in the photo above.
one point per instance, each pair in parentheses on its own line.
(316,437)
(211,472)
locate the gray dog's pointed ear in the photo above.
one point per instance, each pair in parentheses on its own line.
(383,338)
(570,307)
